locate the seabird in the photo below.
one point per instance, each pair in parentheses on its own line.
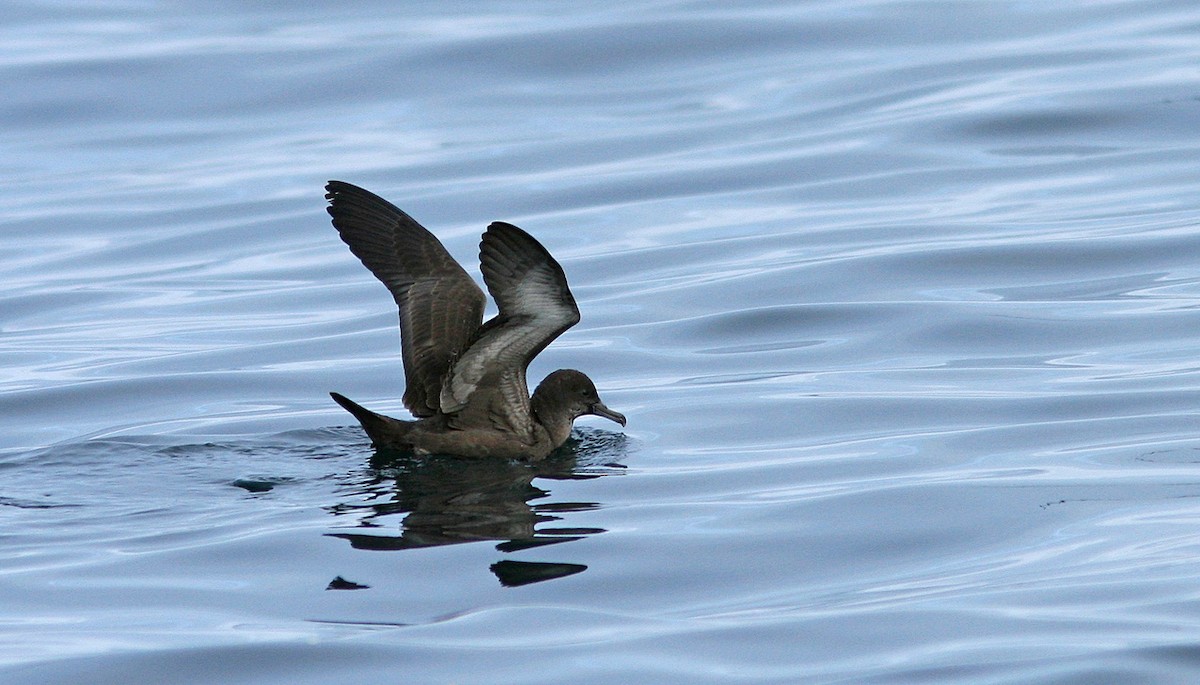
(465,379)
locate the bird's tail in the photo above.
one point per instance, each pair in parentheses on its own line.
(384,431)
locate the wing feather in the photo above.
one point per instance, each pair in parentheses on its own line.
(536,306)
(441,307)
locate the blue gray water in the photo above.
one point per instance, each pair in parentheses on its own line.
(902,301)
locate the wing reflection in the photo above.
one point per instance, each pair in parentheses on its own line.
(450,500)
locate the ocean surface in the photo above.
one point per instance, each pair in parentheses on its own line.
(901,299)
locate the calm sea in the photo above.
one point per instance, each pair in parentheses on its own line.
(901,298)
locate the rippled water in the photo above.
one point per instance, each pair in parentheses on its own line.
(902,301)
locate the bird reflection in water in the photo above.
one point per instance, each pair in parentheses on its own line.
(453,500)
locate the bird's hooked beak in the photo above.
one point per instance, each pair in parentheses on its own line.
(600,410)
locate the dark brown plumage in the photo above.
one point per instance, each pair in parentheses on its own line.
(465,379)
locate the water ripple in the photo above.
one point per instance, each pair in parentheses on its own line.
(899,298)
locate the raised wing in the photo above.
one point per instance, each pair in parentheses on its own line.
(487,384)
(441,308)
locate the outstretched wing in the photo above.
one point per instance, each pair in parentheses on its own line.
(487,386)
(441,308)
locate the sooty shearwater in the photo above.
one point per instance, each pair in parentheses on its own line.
(465,379)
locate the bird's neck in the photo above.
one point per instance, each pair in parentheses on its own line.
(553,417)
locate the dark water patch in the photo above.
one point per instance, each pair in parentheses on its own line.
(30,504)
(250,485)
(1049,123)
(340,583)
(518,573)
